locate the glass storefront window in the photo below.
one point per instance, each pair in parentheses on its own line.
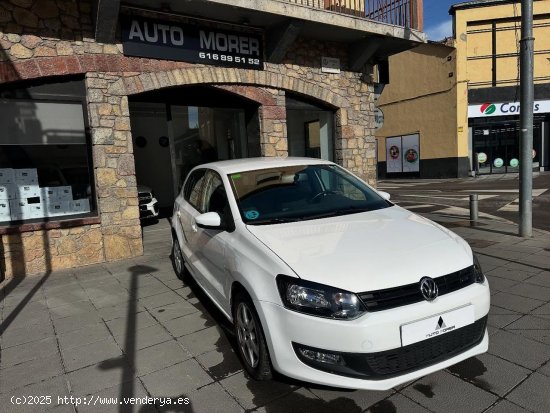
(45,162)
(309,130)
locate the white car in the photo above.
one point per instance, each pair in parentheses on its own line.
(324,279)
(148,204)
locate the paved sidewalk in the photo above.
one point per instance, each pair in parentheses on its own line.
(132,329)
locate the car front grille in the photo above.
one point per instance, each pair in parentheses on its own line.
(391,363)
(409,294)
(144,198)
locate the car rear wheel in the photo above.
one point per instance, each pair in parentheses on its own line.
(251,346)
(177,259)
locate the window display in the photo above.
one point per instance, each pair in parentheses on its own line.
(45,163)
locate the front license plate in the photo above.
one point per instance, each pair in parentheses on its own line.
(437,325)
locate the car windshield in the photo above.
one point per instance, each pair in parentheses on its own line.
(301,192)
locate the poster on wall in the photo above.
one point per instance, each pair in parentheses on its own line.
(411,153)
(393,155)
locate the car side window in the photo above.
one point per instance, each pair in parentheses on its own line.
(215,198)
(193,190)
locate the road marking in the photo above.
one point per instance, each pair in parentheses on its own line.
(514,205)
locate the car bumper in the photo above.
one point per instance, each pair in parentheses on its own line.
(149,210)
(370,335)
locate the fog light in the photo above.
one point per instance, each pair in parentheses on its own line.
(319,357)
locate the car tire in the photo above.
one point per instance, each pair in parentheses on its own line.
(177,259)
(251,344)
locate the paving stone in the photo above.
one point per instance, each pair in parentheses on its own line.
(54,387)
(545,369)
(500,284)
(141,320)
(220,363)
(101,376)
(188,294)
(250,393)
(109,300)
(529,322)
(533,394)
(90,334)
(179,379)
(509,274)
(117,311)
(12,356)
(199,342)
(213,398)
(542,278)
(65,295)
(530,291)
(30,372)
(72,309)
(519,350)
(396,403)
(145,337)
(352,398)
(188,324)
(490,373)
(77,322)
(16,336)
(158,357)
(505,406)
(175,310)
(26,318)
(442,391)
(502,320)
(75,358)
(515,302)
(160,300)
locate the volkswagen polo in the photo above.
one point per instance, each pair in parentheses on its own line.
(323,278)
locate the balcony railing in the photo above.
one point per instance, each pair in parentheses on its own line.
(405,13)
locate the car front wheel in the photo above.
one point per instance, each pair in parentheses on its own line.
(252,347)
(177,258)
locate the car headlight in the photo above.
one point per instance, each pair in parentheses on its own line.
(478,272)
(318,299)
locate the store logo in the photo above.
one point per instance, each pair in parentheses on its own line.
(488,108)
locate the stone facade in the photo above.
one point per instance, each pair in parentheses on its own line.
(39,39)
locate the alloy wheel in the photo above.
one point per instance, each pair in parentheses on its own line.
(247,332)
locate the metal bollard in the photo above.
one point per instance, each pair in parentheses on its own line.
(474,207)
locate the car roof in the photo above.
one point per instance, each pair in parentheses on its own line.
(251,164)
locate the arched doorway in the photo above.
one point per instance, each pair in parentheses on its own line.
(176,129)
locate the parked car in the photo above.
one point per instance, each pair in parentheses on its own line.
(324,279)
(148,204)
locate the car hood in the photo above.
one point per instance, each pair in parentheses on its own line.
(366,251)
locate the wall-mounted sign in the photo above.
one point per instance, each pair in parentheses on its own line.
(330,65)
(498,163)
(378,118)
(482,157)
(514,162)
(190,43)
(393,155)
(505,109)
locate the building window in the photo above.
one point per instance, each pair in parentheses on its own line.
(45,161)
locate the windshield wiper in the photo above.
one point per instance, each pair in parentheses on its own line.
(274,221)
(338,212)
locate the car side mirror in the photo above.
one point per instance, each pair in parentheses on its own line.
(384,195)
(209,220)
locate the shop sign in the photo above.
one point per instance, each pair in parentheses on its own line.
(330,65)
(505,109)
(192,43)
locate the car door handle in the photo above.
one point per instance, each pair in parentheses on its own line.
(178,214)
(194,228)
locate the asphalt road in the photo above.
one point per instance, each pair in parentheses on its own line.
(498,195)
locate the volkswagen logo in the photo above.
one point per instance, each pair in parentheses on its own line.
(428,288)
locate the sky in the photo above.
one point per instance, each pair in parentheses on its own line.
(437,21)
